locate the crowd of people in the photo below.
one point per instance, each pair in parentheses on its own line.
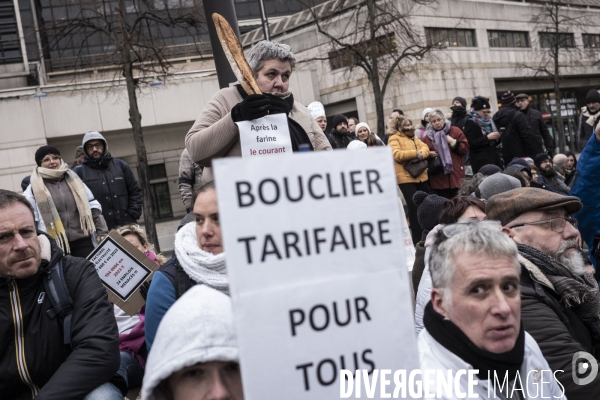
(505,232)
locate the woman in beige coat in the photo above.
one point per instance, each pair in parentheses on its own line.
(215,134)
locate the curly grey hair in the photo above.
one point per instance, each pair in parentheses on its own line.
(265,50)
(484,237)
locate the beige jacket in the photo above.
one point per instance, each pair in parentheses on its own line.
(214,134)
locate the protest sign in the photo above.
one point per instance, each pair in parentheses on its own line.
(122,268)
(267,135)
(318,275)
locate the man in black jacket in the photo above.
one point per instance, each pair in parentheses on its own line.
(590,116)
(536,123)
(35,362)
(560,302)
(340,134)
(111,181)
(517,139)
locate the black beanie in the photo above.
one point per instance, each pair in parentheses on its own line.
(480,103)
(461,100)
(541,157)
(43,152)
(429,209)
(339,118)
(508,98)
(489,170)
(592,97)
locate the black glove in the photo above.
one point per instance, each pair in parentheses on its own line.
(252,107)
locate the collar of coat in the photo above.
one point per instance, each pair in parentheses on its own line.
(535,272)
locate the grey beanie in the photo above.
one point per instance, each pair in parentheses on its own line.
(496,184)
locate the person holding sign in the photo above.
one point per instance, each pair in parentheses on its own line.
(215,133)
(63,205)
(473,321)
(195,356)
(198,259)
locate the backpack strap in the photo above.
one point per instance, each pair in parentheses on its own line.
(60,299)
(183,283)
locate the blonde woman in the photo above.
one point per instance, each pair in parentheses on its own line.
(406,147)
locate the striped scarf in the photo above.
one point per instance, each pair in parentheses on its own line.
(48,211)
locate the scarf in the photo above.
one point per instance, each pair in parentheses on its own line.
(458,116)
(440,143)
(47,208)
(201,266)
(578,292)
(283,103)
(486,126)
(446,333)
(591,118)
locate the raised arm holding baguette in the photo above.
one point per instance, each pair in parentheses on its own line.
(215,134)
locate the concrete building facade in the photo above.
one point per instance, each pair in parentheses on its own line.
(60,106)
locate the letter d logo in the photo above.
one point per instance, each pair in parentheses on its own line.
(581,367)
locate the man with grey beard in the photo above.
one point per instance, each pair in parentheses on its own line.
(560,302)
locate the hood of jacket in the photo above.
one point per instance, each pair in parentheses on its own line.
(106,156)
(198,328)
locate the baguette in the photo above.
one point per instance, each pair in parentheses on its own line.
(235,55)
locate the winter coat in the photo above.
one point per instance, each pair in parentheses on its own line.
(67,210)
(113,185)
(586,188)
(215,135)
(341,140)
(461,149)
(56,370)
(539,129)
(404,149)
(482,151)
(586,130)
(559,332)
(434,356)
(423,293)
(517,139)
(554,184)
(190,179)
(418,266)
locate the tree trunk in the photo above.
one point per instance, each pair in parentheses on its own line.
(374,75)
(559,121)
(135,118)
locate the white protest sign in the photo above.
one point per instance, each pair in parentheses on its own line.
(315,257)
(267,135)
(118,270)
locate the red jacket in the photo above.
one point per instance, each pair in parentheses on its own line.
(453,180)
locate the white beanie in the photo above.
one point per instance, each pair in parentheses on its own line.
(425,112)
(356,144)
(198,328)
(316,109)
(362,125)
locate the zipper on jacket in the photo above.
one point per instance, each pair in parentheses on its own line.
(15,303)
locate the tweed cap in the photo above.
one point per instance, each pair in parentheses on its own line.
(507,206)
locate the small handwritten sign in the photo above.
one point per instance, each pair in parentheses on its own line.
(264,136)
(122,268)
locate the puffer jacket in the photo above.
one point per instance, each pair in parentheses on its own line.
(461,149)
(517,139)
(559,332)
(404,149)
(215,135)
(586,188)
(434,356)
(55,370)
(113,185)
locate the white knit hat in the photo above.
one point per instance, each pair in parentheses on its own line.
(198,328)
(316,109)
(362,125)
(425,112)
(356,144)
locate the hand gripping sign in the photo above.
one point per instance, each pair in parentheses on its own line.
(316,262)
(264,136)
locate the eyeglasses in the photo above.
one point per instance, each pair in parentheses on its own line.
(454,229)
(556,224)
(91,146)
(51,158)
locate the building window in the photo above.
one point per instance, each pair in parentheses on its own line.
(591,41)
(159,190)
(448,37)
(347,58)
(549,39)
(508,39)
(10,49)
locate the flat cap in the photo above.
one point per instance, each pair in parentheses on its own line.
(521,96)
(507,206)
